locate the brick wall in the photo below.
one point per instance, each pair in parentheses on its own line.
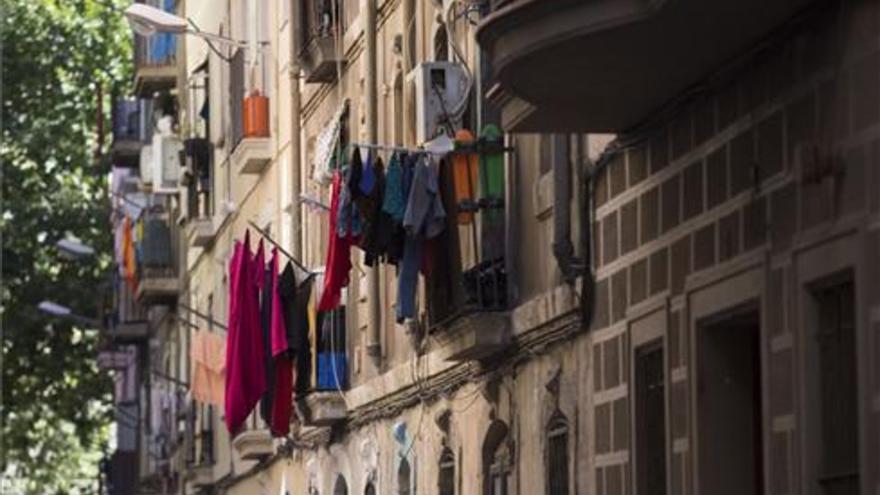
(721,185)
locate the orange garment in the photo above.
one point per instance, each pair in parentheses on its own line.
(208,352)
(128,259)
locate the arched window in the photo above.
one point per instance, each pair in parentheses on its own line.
(446,470)
(497,461)
(557,456)
(370,489)
(404,477)
(441,45)
(340,487)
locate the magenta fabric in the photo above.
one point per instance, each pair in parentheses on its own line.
(338,262)
(245,376)
(282,384)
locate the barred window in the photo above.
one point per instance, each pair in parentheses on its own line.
(557,456)
(446,478)
(403,477)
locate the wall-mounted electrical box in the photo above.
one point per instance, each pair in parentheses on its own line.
(439,88)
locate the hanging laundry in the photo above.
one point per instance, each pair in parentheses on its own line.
(128,255)
(394,202)
(244,346)
(370,208)
(332,372)
(325,147)
(208,352)
(348,222)
(338,262)
(279,396)
(294,299)
(425,218)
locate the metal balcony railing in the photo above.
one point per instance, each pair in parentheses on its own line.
(160,48)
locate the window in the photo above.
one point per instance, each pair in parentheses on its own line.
(557,456)
(446,478)
(370,489)
(650,417)
(837,381)
(496,460)
(404,475)
(340,487)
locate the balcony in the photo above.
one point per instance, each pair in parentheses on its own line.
(128,321)
(611,59)
(159,282)
(467,291)
(253,444)
(198,181)
(323,408)
(319,60)
(252,154)
(132,129)
(317,50)
(155,57)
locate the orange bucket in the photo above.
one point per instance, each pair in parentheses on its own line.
(256,115)
(464,175)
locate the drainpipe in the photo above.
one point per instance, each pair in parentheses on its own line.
(295,165)
(563,248)
(591,170)
(374,348)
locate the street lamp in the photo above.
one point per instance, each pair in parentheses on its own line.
(147,20)
(59,311)
(71,248)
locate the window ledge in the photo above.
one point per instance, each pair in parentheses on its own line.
(252,155)
(253,444)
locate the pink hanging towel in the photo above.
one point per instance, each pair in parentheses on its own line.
(245,376)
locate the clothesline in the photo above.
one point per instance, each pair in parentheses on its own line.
(283,251)
(385,147)
(201,315)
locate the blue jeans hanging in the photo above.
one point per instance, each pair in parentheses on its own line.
(408,278)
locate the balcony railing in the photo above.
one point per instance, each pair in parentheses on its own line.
(467,290)
(158,268)
(317,49)
(128,318)
(155,57)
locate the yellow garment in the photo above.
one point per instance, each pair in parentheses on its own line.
(208,353)
(313,333)
(128,259)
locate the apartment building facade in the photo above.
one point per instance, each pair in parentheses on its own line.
(682,309)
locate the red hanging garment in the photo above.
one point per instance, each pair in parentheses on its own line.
(338,255)
(245,375)
(282,393)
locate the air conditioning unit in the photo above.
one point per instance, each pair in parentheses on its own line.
(146,165)
(166,163)
(439,87)
(160,161)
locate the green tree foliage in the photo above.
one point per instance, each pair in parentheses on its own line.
(55,401)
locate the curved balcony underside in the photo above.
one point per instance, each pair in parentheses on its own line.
(605,65)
